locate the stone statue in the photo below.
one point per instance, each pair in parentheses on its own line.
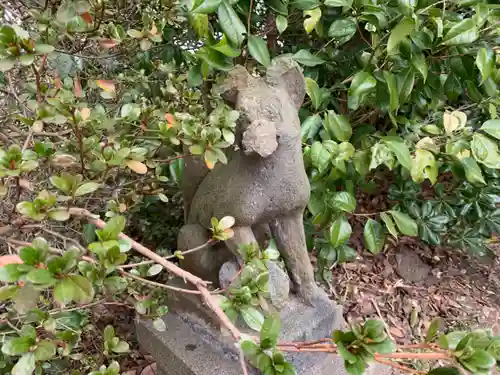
(264,185)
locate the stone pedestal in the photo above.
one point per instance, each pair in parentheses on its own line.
(191,346)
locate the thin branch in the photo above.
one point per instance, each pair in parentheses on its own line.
(407,355)
(243,363)
(159,285)
(388,331)
(400,366)
(198,248)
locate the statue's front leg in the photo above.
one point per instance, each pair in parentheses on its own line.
(290,239)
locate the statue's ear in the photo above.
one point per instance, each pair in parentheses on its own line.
(286,73)
(260,138)
(236,80)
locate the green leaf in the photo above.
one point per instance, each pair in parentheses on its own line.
(312,18)
(87,188)
(112,228)
(121,347)
(305,57)
(389,223)
(7,63)
(155,269)
(42,49)
(485,61)
(281,23)
(135,33)
(199,23)
(25,365)
(45,350)
(10,273)
(320,157)
(480,359)
(399,33)
(7,292)
(485,150)
(41,276)
(270,330)
(342,30)
(393,90)
(252,317)
(357,368)
(59,214)
(345,353)
(340,231)
(310,127)
(362,83)
(16,346)
(338,126)
(444,371)
(206,6)
(374,236)
(464,32)
(473,172)
(305,4)
(405,223)
(258,49)
(424,166)
(400,150)
(384,347)
(313,90)
(432,331)
(225,48)
(109,333)
(343,201)
(27,59)
(231,23)
(214,58)
(492,127)
(73,288)
(339,3)
(419,62)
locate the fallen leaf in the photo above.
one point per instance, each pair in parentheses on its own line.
(395,331)
(108,43)
(107,86)
(137,166)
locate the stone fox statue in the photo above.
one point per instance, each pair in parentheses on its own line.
(264,185)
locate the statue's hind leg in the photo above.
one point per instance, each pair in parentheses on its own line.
(206,262)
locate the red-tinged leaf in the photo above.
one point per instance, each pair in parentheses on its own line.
(57,82)
(108,43)
(77,88)
(10,259)
(87,17)
(209,163)
(107,86)
(153,30)
(170,118)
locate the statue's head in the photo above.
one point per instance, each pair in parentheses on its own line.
(268,106)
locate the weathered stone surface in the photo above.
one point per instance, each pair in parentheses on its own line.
(191,346)
(279,285)
(410,266)
(227,273)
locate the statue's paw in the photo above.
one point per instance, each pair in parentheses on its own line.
(313,295)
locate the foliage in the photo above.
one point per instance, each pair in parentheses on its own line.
(107,98)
